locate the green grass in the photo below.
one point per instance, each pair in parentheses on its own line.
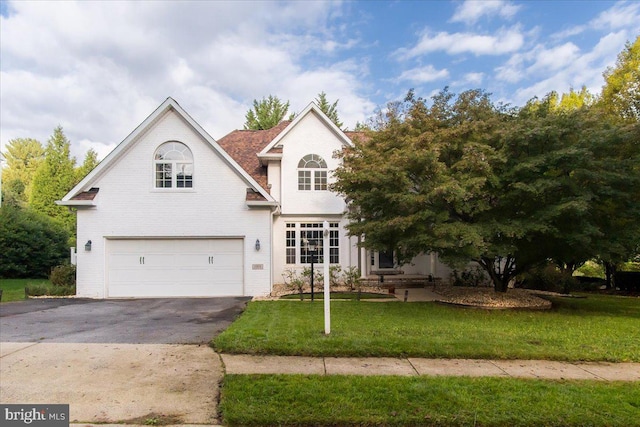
(596,328)
(13,289)
(319,296)
(296,400)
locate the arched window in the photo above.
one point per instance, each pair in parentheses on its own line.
(312,169)
(173,166)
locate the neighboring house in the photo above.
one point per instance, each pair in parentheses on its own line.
(172,212)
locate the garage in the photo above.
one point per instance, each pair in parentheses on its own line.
(198,267)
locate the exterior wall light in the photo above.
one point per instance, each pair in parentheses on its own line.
(257,244)
(87,246)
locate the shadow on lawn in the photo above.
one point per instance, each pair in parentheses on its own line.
(594,304)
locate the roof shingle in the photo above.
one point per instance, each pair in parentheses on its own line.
(244,145)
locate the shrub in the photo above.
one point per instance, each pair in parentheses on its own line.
(548,278)
(293,281)
(63,275)
(588,284)
(318,277)
(351,278)
(334,276)
(44,289)
(30,243)
(472,277)
(591,269)
(628,281)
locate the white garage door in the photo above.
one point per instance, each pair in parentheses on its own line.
(174,267)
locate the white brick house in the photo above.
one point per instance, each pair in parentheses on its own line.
(172,212)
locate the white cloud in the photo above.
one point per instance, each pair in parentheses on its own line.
(501,42)
(99,68)
(555,58)
(470,79)
(470,11)
(424,74)
(565,67)
(621,15)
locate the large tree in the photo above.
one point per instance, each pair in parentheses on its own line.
(53,179)
(621,92)
(266,113)
(472,181)
(23,156)
(426,181)
(331,110)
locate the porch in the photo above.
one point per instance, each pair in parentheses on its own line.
(392,279)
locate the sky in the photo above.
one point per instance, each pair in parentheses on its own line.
(99,68)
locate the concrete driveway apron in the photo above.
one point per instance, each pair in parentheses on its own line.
(116,361)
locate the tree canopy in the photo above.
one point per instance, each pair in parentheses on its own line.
(23,156)
(53,179)
(621,92)
(477,182)
(266,113)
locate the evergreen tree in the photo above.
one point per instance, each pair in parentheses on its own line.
(266,113)
(331,110)
(53,179)
(90,162)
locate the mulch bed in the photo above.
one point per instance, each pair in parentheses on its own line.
(487,298)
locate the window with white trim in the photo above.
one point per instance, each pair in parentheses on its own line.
(312,173)
(297,235)
(173,166)
(291,243)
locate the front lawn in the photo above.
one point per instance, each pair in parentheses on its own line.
(297,400)
(596,328)
(13,289)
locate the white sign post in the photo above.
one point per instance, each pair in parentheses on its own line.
(327,281)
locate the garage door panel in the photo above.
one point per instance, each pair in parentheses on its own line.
(227,261)
(180,267)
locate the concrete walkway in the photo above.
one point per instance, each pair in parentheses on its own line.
(246,364)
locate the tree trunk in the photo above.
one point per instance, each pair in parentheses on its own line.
(610,271)
(501,270)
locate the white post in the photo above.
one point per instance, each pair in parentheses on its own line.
(74,258)
(327,281)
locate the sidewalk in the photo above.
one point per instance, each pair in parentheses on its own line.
(543,369)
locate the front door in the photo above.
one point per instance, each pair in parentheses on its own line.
(385,259)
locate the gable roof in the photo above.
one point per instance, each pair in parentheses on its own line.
(71,198)
(250,147)
(311,108)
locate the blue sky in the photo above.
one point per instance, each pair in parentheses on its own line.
(98,68)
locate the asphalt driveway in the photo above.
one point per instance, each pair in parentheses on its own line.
(116,361)
(133,321)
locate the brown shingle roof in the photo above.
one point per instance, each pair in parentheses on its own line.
(244,145)
(86,195)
